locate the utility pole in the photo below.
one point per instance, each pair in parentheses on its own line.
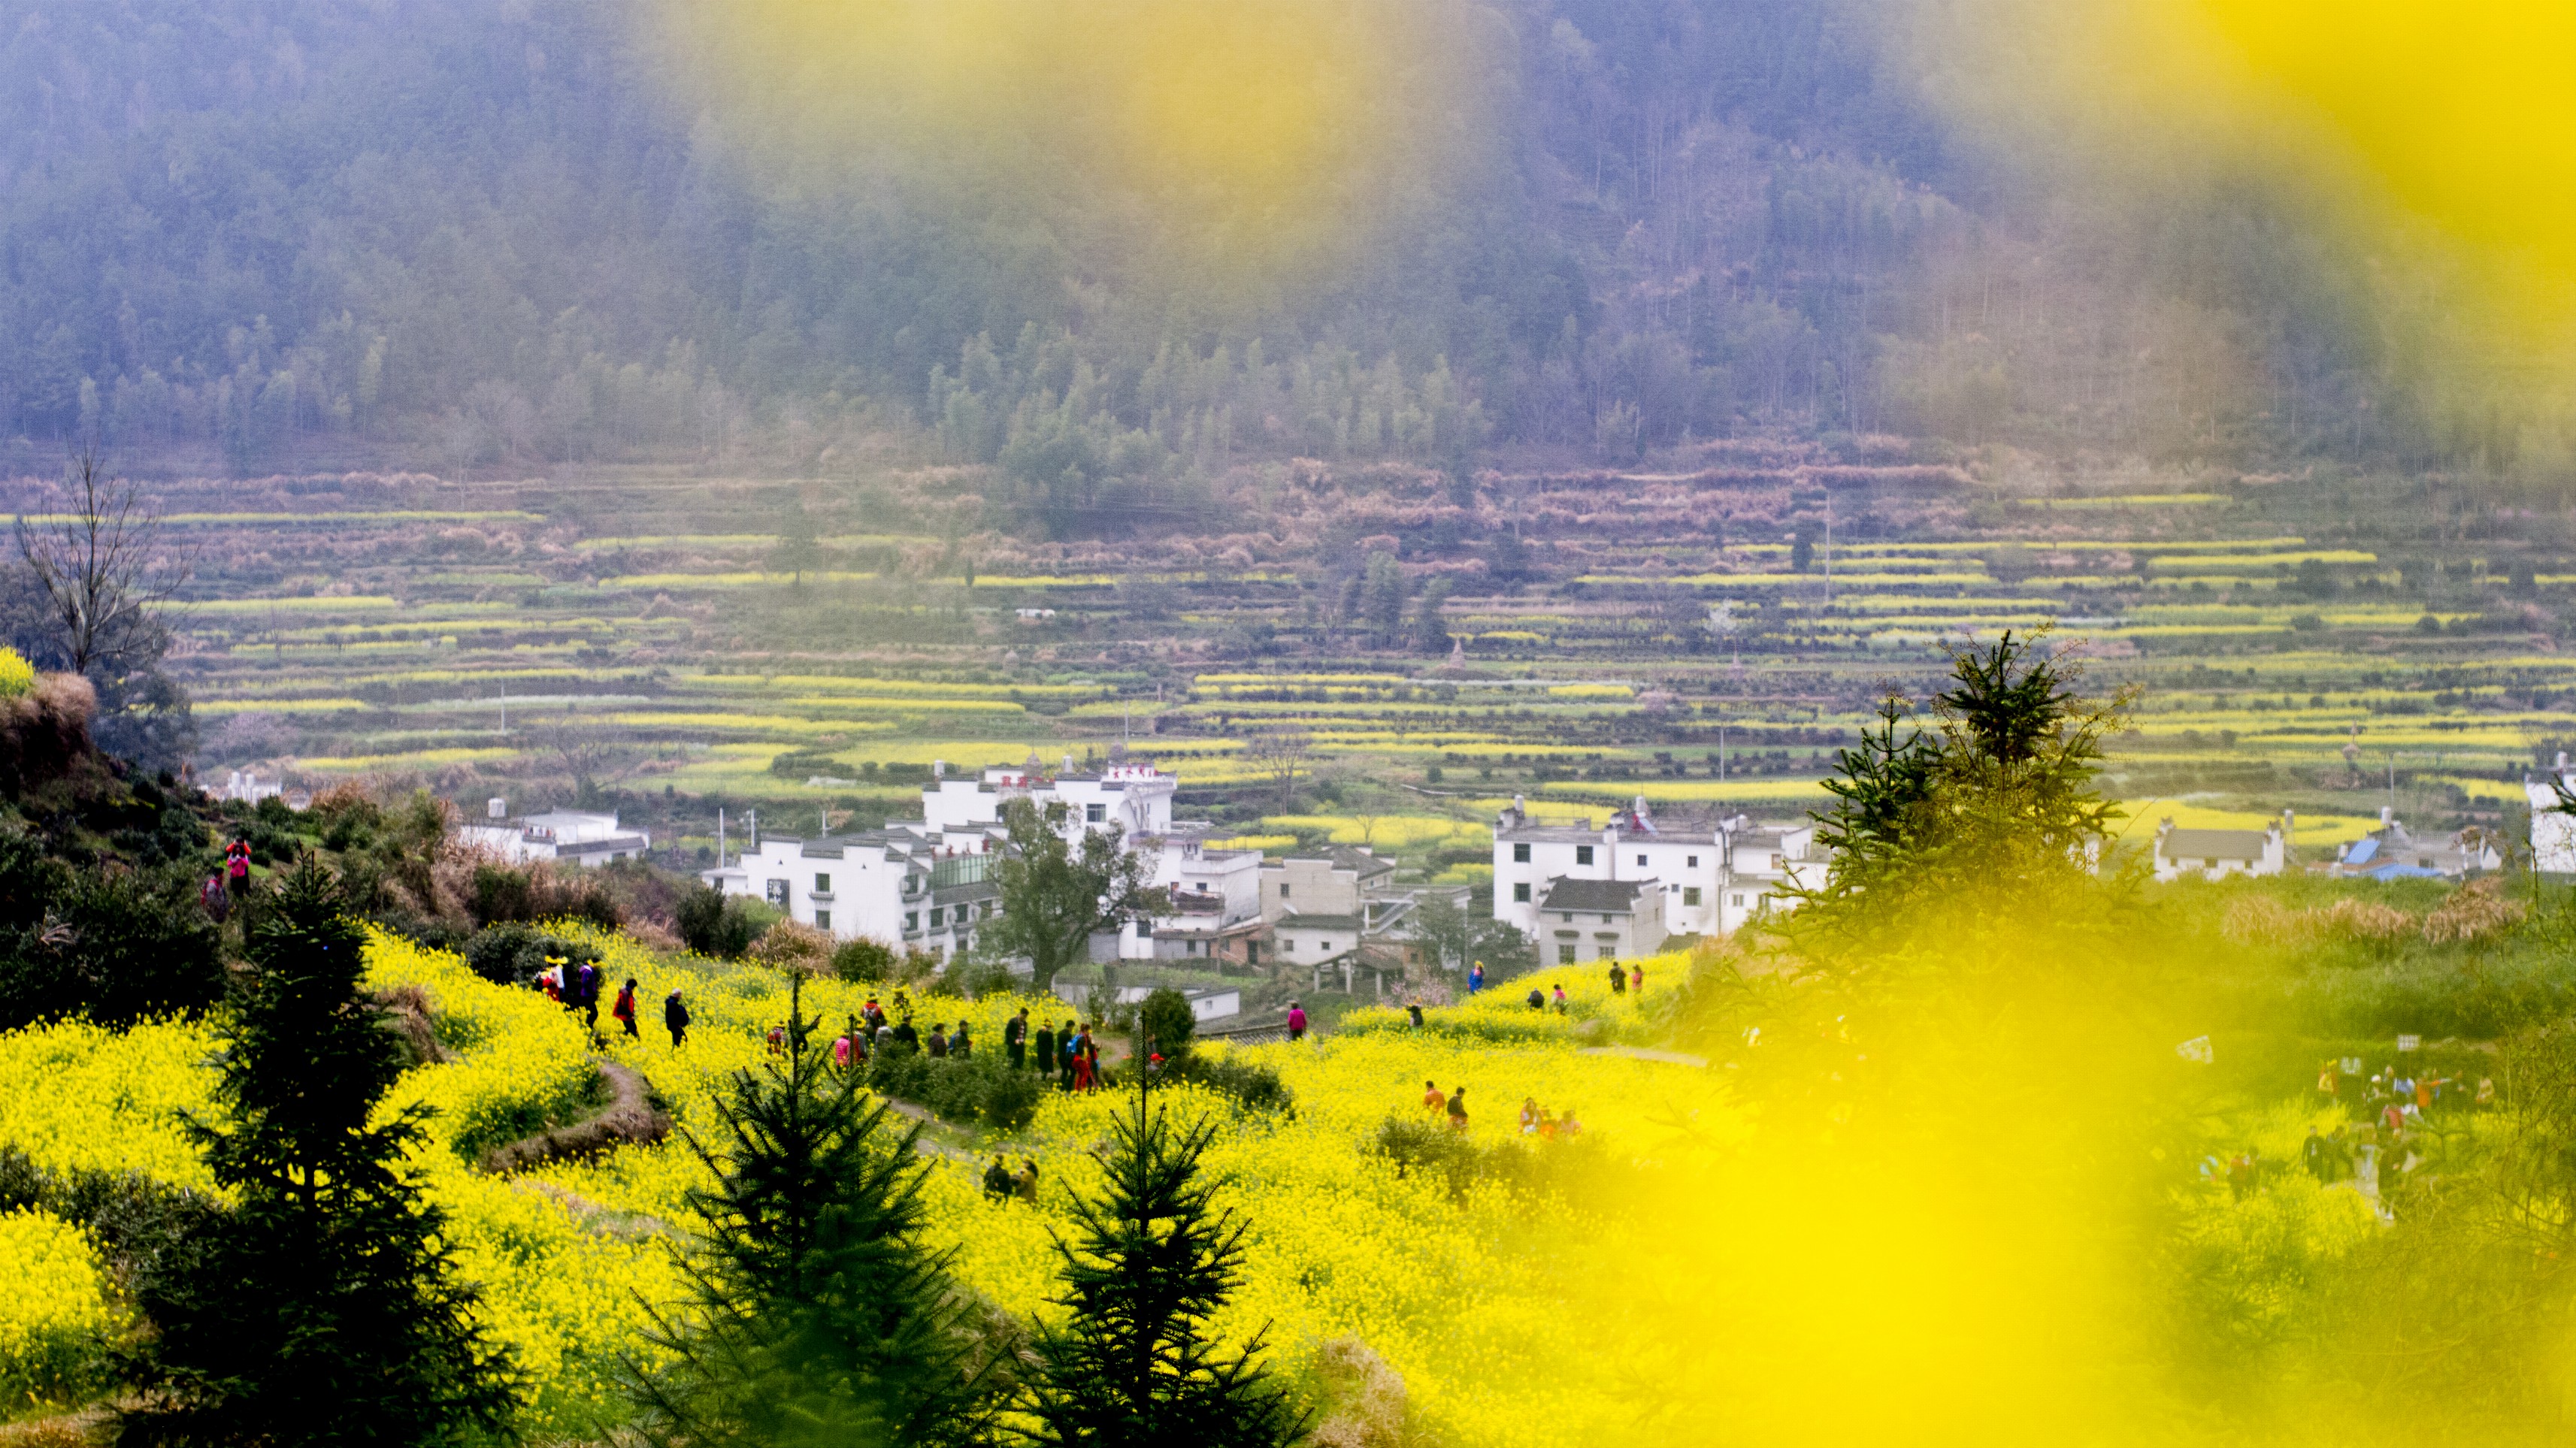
(720,837)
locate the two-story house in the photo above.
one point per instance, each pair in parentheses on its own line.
(1713,878)
(1632,846)
(1765,865)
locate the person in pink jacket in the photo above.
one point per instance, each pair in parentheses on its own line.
(1296,1021)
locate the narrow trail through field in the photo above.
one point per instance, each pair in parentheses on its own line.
(1643,1053)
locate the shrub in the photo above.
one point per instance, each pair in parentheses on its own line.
(977,1090)
(863,960)
(1257,1087)
(715,925)
(788,945)
(116,948)
(511,953)
(538,892)
(2474,910)
(1169,1020)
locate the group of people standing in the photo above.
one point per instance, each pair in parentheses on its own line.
(1071,1052)
(576,986)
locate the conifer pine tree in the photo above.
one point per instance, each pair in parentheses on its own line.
(1133,1367)
(326,1308)
(816,1314)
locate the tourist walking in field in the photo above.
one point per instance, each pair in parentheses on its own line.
(1067,1046)
(1537,999)
(1432,1100)
(675,1019)
(1045,1054)
(1475,977)
(1618,979)
(1560,998)
(624,1010)
(1296,1021)
(958,1042)
(1637,978)
(1086,1065)
(1413,1008)
(2313,1154)
(906,1036)
(1458,1108)
(212,897)
(938,1043)
(237,868)
(1529,1115)
(1015,1039)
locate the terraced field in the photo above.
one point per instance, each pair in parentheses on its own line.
(634,638)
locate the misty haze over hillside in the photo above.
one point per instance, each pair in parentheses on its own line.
(503,233)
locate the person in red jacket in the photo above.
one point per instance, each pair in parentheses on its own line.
(624,1010)
(1296,1021)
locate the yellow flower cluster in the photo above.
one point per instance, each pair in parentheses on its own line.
(55,1318)
(74,1095)
(1484,1299)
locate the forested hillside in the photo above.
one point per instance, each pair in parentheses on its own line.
(475,233)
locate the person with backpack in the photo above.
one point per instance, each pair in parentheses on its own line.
(1537,999)
(1045,1055)
(624,1010)
(237,868)
(217,902)
(1065,1049)
(675,1019)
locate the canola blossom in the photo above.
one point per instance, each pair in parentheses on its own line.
(55,1318)
(1696,1253)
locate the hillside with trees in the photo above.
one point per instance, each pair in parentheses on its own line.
(470,234)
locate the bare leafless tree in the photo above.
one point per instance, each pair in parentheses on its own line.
(594,757)
(1280,753)
(99,562)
